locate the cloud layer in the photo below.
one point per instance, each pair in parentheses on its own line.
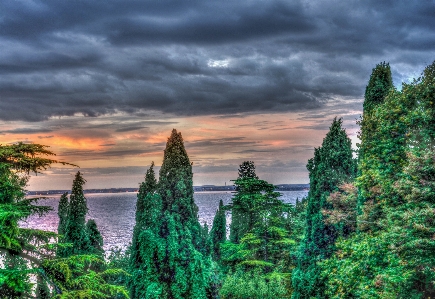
(61,58)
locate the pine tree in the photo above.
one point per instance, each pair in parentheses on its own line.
(247,188)
(17,245)
(76,232)
(247,170)
(62,212)
(218,233)
(332,165)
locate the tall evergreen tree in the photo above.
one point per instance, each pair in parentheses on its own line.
(396,258)
(380,83)
(242,220)
(62,212)
(75,231)
(170,240)
(218,233)
(95,238)
(382,153)
(331,165)
(148,214)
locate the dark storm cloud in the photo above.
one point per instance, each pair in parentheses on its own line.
(201,57)
(26,131)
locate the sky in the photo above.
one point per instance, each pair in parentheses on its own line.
(103,83)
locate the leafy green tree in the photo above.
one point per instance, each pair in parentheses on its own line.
(331,166)
(218,233)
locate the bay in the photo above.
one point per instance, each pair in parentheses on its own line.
(114,213)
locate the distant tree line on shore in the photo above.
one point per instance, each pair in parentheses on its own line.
(365,230)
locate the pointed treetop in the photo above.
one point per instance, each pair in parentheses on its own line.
(379,84)
(150,183)
(175,155)
(247,170)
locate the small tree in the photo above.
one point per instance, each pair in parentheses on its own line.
(242,219)
(76,232)
(95,238)
(218,233)
(62,212)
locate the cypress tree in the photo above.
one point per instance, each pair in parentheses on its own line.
(62,212)
(331,165)
(95,238)
(170,263)
(382,153)
(76,232)
(218,233)
(380,83)
(148,219)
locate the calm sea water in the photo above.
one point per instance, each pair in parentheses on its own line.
(114,213)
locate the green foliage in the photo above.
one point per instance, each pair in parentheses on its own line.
(247,170)
(62,212)
(218,233)
(264,245)
(242,217)
(95,238)
(75,231)
(254,285)
(391,254)
(83,276)
(331,166)
(372,156)
(18,246)
(378,87)
(166,260)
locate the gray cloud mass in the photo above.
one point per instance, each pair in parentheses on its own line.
(60,58)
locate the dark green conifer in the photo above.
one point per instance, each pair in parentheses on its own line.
(218,233)
(242,219)
(95,238)
(169,262)
(76,232)
(42,290)
(247,170)
(62,212)
(332,165)
(379,85)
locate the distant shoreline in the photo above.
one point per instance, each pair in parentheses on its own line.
(281,187)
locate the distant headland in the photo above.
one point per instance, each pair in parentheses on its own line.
(281,187)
